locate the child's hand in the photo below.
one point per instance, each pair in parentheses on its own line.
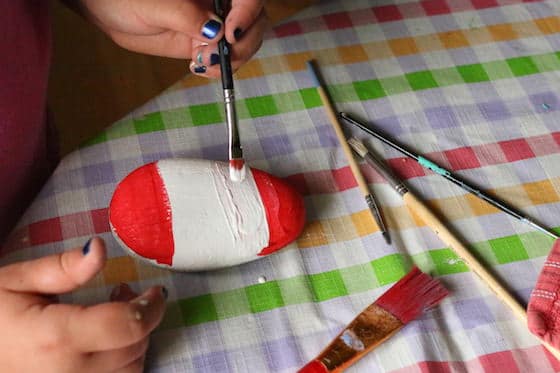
(40,335)
(181,28)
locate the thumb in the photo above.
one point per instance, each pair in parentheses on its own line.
(57,273)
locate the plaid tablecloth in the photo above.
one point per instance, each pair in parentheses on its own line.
(471,84)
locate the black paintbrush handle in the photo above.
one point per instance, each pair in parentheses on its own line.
(221,9)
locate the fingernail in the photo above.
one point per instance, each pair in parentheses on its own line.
(199,58)
(164,292)
(200,69)
(85,249)
(237,33)
(214,59)
(211,29)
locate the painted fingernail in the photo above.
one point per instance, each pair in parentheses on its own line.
(211,29)
(237,33)
(164,292)
(200,69)
(199,58)
(85,249)
(214,59)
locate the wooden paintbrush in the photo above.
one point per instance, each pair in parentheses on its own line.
(402,303)
(360,180)
(416,205)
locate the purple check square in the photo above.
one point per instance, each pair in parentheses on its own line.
(282,354)
(544,102)
(442,117)
(473,313)
(494,110)
(212,362)
(102,173)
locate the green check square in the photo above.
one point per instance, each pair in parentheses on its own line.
(522,66)
(102,137)
(148,123)
(310,97)
(261,106)
(231,303)
(395,85)
(206,114)
(473,73)
(389,269)
(359,278)
(421,80)
(447,262)
(327,285)
(264,297)
(198,310)
(369,89)
(296,290)
(508,249)
(172,318)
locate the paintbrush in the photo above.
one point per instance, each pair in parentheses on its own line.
(427,216)
(360,180)
(236,161)
(399,305)
(426,163)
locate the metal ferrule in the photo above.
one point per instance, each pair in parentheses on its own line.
(401,189)
(235,150)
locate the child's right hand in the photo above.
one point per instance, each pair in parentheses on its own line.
(40,335)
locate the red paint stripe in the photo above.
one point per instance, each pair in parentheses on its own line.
(324,181)
(135,199)
(285,212)
(387,13)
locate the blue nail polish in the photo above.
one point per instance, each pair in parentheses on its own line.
(214,59)
(200,69)
(199,58)
(211,29)
(85,249)
(238,33)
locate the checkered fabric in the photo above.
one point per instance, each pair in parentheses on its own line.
(470,84)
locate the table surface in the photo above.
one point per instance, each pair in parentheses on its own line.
(470,84)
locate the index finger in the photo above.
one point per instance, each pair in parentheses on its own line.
(241,17)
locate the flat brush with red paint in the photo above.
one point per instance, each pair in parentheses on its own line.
(402,303)
(236,161)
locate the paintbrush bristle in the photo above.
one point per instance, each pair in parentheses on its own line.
(411,295)
(237,169)
(358,146)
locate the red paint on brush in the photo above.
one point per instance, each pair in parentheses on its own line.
(411,295)
(314,367)
(237,163)
(285,211)
(141,213)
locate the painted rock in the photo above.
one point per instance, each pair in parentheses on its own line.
(187,215)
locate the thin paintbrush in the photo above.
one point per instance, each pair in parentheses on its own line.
(449,176)
(432,221)
(399,305)
(236,161)
(375,212)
